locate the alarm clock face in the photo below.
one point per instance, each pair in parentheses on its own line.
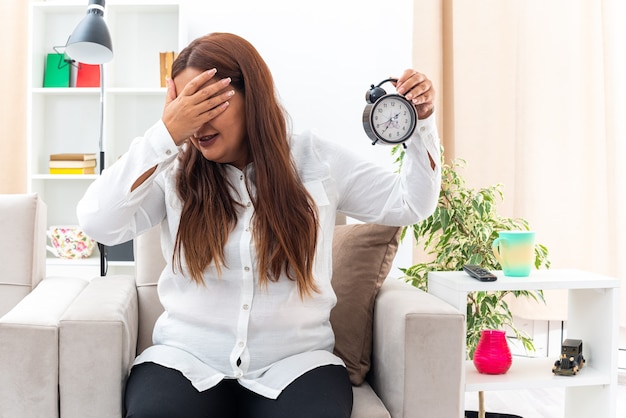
(392,119)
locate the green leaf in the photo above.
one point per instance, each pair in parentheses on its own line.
(444,217)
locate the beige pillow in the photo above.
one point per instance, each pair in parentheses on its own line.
(362,257)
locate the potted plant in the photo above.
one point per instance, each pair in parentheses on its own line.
(461,231)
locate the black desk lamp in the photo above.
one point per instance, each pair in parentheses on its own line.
(90,43)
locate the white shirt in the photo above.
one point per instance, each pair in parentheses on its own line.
(231,327)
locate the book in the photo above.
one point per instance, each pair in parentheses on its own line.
(88,75)
(72,163)
(86,170)
(72,157)
(57,71)
(166,60)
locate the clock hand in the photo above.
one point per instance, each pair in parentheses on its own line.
(393,120)
(386,126)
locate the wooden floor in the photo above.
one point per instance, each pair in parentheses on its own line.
(537,403)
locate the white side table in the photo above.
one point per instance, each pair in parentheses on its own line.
(593,309)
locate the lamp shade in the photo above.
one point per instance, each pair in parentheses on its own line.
(90,43)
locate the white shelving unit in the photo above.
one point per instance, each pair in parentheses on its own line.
(62,120)
(593,312)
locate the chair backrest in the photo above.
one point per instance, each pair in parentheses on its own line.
(22,247)
(149,263)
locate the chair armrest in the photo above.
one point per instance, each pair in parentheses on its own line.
(418,353)
(29,349)
(97,343)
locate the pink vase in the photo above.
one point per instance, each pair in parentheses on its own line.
(492,355)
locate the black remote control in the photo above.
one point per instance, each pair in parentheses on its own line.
(479,273)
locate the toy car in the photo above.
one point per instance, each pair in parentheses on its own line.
(571,360)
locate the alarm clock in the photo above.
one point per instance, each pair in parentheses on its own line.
(388,118)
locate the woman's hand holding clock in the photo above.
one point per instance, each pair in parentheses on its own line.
(419,90)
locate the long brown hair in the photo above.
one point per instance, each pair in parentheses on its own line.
(285,222)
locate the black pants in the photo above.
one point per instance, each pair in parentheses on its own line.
(155,391)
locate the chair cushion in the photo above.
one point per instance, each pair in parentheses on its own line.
(367,404)
(362,258)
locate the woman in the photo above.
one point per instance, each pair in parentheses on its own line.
(247,214)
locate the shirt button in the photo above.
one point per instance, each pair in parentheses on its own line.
(422,129)
(241,343)
(241,177)
(246,268)
(168,152)
(246,307)
(238,374)
(249,204)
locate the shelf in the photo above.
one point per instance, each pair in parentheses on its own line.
(136,91)
(94,260)
(95,91)
(71,177)
(121,264)
(68,119)
(531,373)
(66,91)
(139,31)
(151,6)
(593,308)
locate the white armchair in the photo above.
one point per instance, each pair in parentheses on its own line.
(416,359)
